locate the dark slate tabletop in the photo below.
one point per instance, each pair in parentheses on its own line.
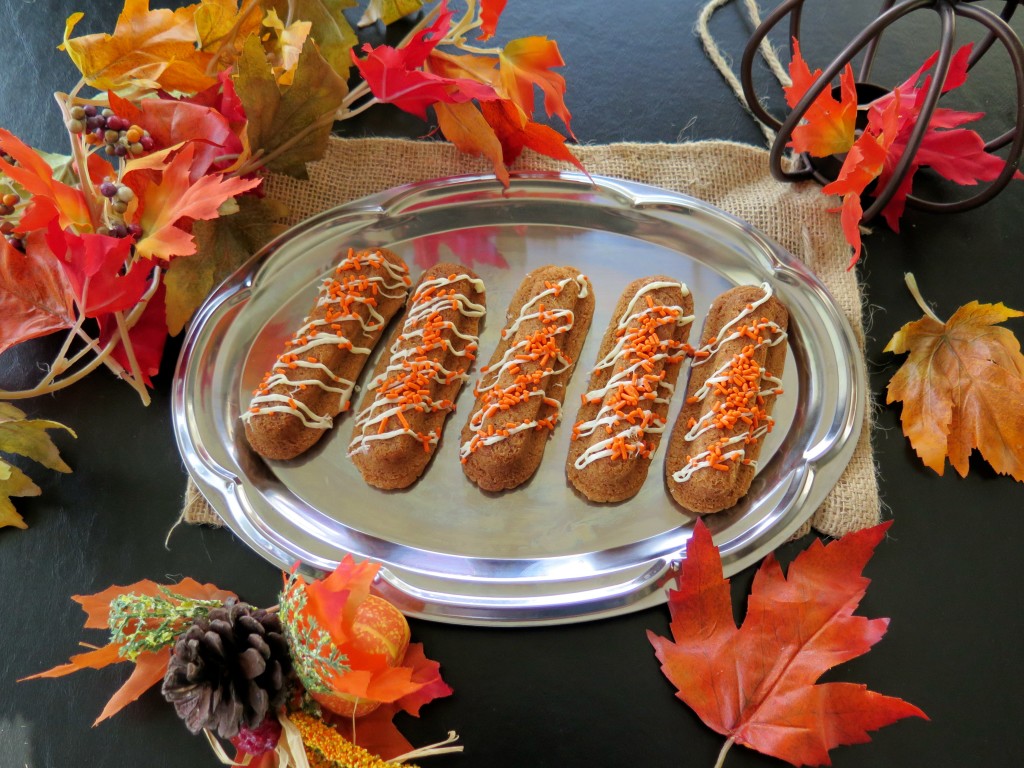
(581,695)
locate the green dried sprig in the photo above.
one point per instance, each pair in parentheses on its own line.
(315,657)
(146,623)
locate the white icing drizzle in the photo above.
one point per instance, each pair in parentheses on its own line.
(554,323)
(340,297)
(766,334)
(633,360)
(404,385)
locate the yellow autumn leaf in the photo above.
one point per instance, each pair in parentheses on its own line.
(222,27)
(148,49)
(28,438)
(284,44)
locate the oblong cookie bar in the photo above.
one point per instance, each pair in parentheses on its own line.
(415,384)
(624,411)
(312,380)
(734,380)
(520,392)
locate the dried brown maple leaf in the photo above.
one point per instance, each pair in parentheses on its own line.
(962,387)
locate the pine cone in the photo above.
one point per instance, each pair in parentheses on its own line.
(229,669)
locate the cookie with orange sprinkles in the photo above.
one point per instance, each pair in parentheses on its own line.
(415,384)
(735,378)
(625,408)
(312,380)
(520,391)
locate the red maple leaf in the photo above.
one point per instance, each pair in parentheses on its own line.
(35,298)
(515,130)
(93,266)
(490,12)
(394,75)
(955,153)
(757,685)
(147,336)
(172,121)
(222,97)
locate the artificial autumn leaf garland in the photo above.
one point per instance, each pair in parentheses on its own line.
(757,684)
(948,148)
(117,244)
(314,681)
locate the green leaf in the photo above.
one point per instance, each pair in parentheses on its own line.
(224,244)
(331,30)
(288,126)
(388,11)
(62,165)
(27,437)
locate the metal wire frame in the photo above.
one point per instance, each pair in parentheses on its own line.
(997,29)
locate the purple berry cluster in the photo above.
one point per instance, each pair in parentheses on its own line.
(117,135)
(118,198)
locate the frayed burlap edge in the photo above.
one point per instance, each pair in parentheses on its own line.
(732,176)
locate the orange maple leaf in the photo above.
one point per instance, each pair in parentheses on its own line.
(164,204)
(962,387)
(148,49)
(863,164)
(50,198)
(758,684)
(527,62)
(150,667)
(465,127)
(35,297)
(828,127)
(515,130)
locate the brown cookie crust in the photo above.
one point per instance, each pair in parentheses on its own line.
(642,395)
(718,486)
(421,375)
(312,380)
(519,399)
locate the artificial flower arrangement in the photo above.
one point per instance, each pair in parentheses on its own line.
(314,681)
(870,159)
(161,197)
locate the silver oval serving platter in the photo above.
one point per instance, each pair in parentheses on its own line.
(540,553)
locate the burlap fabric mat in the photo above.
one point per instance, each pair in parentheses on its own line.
(732,176)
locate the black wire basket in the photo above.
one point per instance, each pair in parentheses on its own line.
(997,29)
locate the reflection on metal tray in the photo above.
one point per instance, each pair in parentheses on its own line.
(540,553)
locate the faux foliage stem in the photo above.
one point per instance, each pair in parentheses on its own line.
(721,755)
(82,161)
(136,372)
(911,282)
(256,163)
(102,355)
(60,362)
